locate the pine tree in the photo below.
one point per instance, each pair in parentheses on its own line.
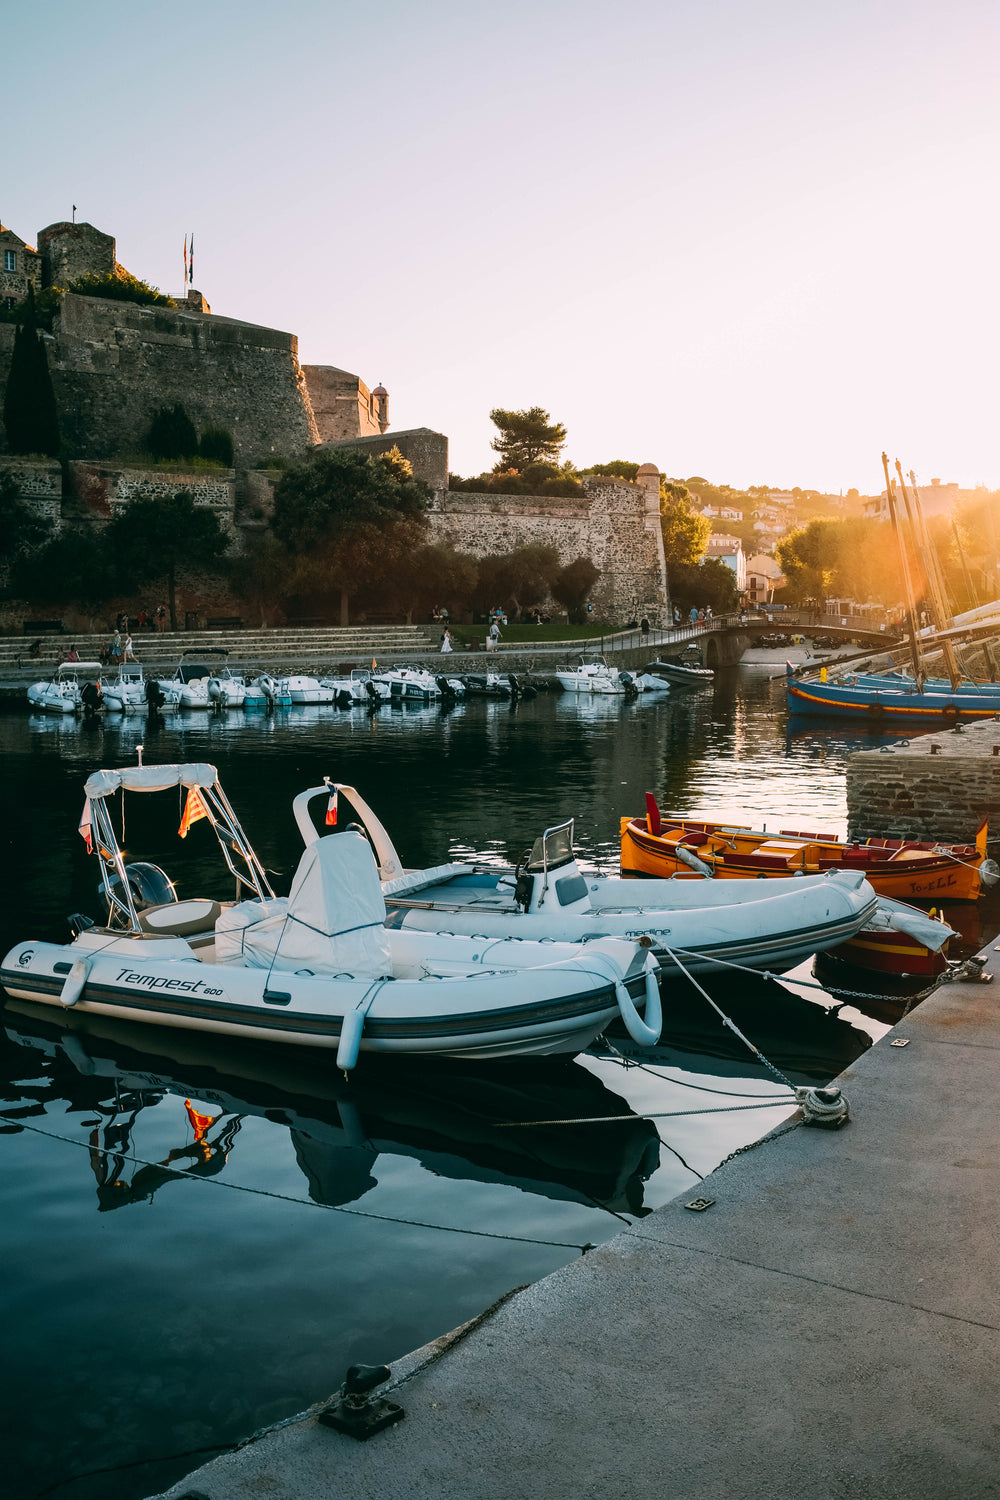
(29,403)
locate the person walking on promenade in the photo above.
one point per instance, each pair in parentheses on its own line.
(693,617)
(446,645)
(116,648)
(494,636)
(129,653)
(644,629)
(161,617)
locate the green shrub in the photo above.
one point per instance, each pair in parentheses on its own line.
(171,434)
(119,286)
(217,444)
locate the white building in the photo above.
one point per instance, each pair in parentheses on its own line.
(729,549)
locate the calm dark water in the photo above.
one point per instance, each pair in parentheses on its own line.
(149,1315)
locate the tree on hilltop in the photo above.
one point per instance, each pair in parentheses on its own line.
(150,539)
(349,519)
(526,437)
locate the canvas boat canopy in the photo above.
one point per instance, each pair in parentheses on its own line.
(149,779)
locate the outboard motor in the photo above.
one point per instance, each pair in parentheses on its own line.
(445,688)
(149,885)
(154,694)
(215,693)
(374,696)
(90,696)
(343,698)
(628,682)
(515,686)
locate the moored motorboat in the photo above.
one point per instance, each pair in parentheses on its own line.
(63,692)
(200,685)
(592,674)
(301,689)
(909,869)
(414,682)
(317,968)
(682,674)
(548,896)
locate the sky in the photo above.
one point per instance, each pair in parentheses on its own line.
(753,240)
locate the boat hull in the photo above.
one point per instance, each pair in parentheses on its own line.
(952,874)
(874,707)
(773,929)
(556,1009)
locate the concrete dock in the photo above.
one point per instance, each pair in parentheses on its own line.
(831,1325)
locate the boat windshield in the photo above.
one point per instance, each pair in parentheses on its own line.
(555,847)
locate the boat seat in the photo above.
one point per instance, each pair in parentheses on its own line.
(762,862)
(181,918)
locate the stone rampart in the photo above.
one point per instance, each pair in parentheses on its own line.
(101,490)
(939,786)
(39,483)
(610,524)
(114,364)
(425,450)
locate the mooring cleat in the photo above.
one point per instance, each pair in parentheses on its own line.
(355,1412)
(826,1108)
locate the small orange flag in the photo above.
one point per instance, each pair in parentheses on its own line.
(194,808)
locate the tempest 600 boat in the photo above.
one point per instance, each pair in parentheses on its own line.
(548,896)
(664,845)
(319,967)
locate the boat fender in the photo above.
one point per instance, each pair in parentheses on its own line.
(73,984)
(693,862)
(989,872)
(644,1033)
(826,1108)
(350,1039)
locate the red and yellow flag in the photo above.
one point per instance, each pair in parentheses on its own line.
(199,1123)
(194,808)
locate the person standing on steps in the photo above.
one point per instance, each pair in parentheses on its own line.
(446,645)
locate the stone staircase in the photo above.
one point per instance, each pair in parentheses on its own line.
(320,646)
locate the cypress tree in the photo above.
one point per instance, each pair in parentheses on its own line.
(29,403)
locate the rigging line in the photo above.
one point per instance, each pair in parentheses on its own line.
(335,1208)
(629,1063)
(663,1114)
(732,1026)
(807,984)
(132,1463)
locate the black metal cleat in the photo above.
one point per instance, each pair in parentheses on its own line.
(356,1413)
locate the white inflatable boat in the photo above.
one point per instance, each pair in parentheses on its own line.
(317,968)
(548,896)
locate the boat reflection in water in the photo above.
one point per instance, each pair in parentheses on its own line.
(446,1116)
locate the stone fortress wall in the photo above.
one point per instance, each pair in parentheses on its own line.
(114,364)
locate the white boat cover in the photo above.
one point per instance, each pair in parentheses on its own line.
(332,922)
(419,880)
(149,779)
(915,923)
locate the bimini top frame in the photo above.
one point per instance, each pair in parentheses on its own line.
(236,849)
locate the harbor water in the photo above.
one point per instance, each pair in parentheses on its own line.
(200,1237)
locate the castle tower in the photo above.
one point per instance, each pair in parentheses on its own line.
(380,396)
(69,251)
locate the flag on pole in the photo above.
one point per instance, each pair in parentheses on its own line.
(200,1123)
(194,808)
(191,263)
(331,810)
(185,259)
(84,828)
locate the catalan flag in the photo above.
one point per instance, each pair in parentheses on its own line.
(199,1123)
(194,808)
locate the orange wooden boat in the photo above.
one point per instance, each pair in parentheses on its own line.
(908,869)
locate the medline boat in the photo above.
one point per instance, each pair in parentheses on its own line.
(318,968)
(547,896)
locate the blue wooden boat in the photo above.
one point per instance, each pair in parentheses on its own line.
(903,682)
(890,706)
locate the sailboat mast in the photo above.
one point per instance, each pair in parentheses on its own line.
(935,582)
(904,564)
